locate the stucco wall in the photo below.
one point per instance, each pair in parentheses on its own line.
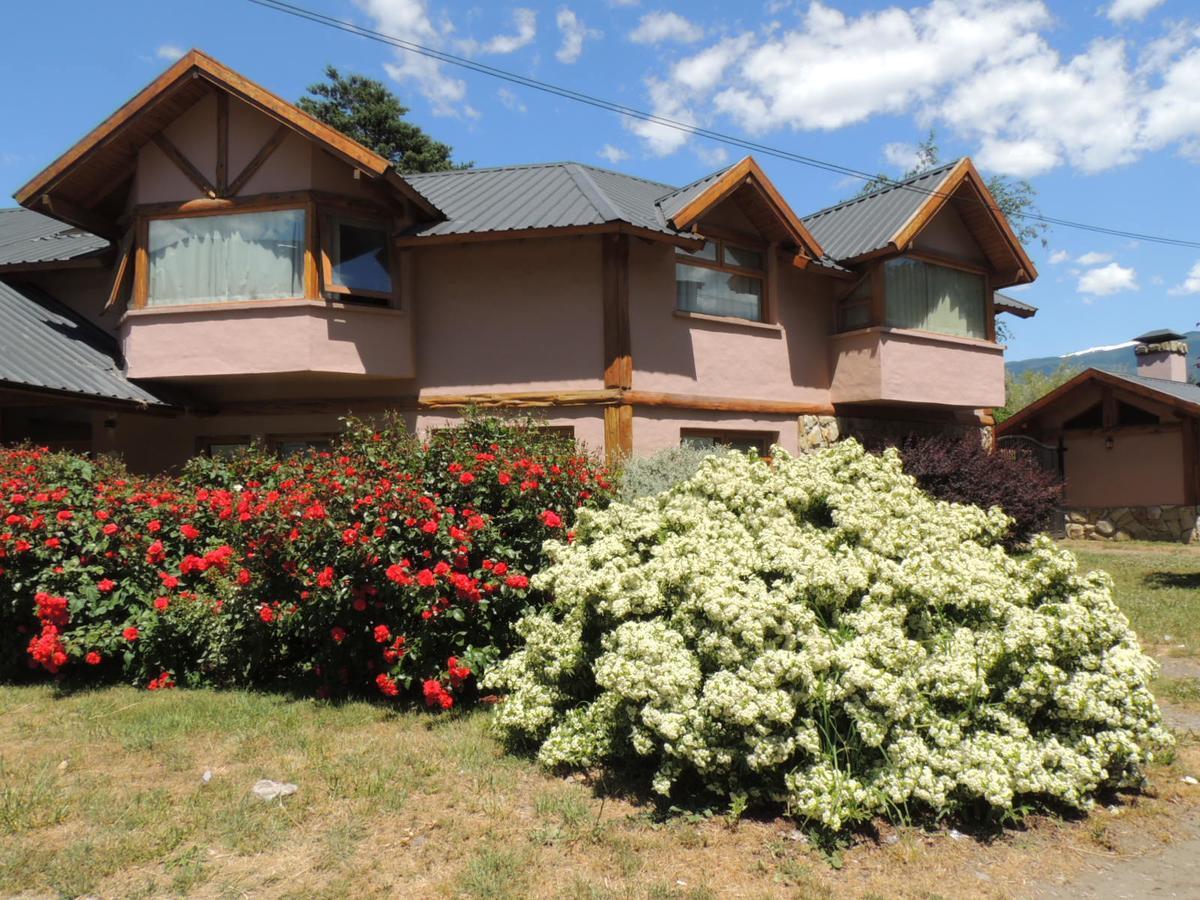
(1141,469)
(724,359)
(947,235)
(510,316)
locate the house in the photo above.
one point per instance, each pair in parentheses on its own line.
(210,265)
(1129,445)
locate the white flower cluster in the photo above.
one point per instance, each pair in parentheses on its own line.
(815,630)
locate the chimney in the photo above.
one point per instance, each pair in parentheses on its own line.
(1162,354)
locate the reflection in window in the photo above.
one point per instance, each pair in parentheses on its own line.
(214,259)
(359,255)
(720,279)
(758,441)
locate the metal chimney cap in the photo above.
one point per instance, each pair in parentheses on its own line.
(1159,337)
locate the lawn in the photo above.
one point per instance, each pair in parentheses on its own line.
(103,793)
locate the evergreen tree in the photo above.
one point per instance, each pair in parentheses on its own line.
(367,111)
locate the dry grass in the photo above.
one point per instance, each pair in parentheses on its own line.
(101,793)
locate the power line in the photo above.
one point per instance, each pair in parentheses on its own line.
(634,113)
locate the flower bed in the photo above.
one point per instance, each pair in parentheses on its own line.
(816,631)
(386,564)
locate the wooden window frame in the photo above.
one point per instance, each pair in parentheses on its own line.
(946,262)
(141,280)
(764,275)
(766,439)
(329,220)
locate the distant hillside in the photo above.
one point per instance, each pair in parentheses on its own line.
(1114,358)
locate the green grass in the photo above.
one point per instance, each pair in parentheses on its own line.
(1157,587)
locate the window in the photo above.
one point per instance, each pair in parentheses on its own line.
(721,279)
(357,259)
(216,259)
(854,310)
(758,441)
(923,296)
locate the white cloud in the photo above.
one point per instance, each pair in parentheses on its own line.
(409,20)
(169,52)
(1190,284)
(714,156)
(657,27)
(511,100)
(612,154)
(525,23)
(668,102)
(1120,10)
(902,156)
(1106,280)
(1093,258)
(1059,256)
(574,33)
(983,70)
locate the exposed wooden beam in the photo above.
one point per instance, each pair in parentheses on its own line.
(222,143)
(184,165)
(614,262)
(260,157)
(520,399)
(82,218)
(725,404)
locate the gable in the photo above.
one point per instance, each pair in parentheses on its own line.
(88,186)
(947,235)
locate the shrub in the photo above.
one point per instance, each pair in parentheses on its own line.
(962,470)
(644,476)
(816,631)
(386,564)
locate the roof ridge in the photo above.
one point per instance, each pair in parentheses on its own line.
(562,164)
(891,186)
(603,204)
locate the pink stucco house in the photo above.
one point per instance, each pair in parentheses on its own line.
(210,264)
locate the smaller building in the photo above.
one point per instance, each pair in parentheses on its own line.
(1127,445)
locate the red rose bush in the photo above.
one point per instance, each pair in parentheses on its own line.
(386,565)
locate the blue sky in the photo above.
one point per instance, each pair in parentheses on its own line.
(1097,103)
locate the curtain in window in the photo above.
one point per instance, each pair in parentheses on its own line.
(212,259)
(934,298)
(703,290)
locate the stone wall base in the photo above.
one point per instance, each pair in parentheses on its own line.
(1143,523)
(817,432)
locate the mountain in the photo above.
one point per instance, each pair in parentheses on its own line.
(1113,357)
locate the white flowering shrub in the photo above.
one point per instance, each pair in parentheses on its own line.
(817,631)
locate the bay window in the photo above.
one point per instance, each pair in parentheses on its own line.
(357,259)
(226,257)
(928,297)
(721,279)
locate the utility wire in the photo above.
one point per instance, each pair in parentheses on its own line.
(634,113)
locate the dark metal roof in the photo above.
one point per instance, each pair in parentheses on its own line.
(1019,308)
(1179,390)
(547,195)
(672,203)
(1160,336)
(29,237)
(45,345)
(864,224)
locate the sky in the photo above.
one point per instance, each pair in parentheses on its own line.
(1096,103)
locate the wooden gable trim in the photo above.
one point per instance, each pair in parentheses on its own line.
(122,270)
(184,165)
(222,143)
(964,171)
(196,64)
(1108,382)
(747,173)
(264,153)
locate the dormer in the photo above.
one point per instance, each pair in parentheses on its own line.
(241,224)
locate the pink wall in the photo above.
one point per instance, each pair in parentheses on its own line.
(510,316)
(947,235)
(724,358)
(238,339)
(1141,469)
(893,365)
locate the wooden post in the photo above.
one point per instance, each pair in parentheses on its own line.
(222,143)
(618,357)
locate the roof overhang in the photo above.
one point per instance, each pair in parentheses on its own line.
(71,187)
(760,200)
(1024,416)
(967,193)
(1011,305)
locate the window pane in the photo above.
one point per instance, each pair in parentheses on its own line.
(212,259)
(361,258)
(743,258)
(717,293)
(708,251)
(934,298)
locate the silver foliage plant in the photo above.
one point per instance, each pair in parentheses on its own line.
(644,476)
(816,631)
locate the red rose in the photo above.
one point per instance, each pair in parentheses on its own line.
(106,585)
(387,686)
(154,525)
(190,532)
(161,603)
(266,614)
(92,658)
(65,515)
(325,579)
(109,529)
(504,478)
(243,577)
(551,519)
(520,582)
(382,634)
(337,633)
(130,633)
